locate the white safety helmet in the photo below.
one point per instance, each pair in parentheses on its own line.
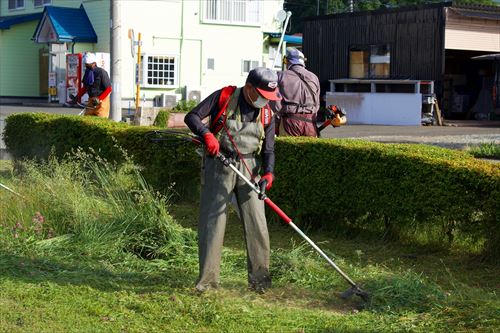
(89,58)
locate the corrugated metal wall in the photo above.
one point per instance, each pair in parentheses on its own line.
(416,39)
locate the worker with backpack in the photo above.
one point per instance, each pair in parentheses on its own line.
(241,126)
(300,89)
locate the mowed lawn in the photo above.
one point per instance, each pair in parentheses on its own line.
(68,263)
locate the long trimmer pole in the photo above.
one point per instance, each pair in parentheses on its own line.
(284,217)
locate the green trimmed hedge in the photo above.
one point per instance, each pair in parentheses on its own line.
(36,135)
(349,184)
(389,187)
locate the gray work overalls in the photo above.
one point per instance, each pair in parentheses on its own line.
(218,184)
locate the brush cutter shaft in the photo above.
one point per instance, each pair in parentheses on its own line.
(228,163)
(284,217)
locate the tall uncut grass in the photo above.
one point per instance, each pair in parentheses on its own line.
(87,203)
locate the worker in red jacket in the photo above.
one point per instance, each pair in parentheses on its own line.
(97,85)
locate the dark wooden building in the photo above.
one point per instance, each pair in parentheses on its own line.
(433,42)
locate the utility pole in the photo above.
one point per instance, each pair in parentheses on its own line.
(115,34)
(138,77)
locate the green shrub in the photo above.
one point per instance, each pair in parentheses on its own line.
(161,119)
(184,106)
(391,188)
(398,190)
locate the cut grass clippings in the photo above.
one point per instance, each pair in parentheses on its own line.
(93,249)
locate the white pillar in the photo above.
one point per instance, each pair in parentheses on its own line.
(116,96)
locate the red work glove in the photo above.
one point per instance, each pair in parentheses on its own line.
(211,143)
(269,178)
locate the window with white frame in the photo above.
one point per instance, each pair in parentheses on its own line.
(16,4)
(39,3)
(248,65)
(159,71)
(238,12)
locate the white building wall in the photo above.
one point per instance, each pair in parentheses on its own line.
(176,27)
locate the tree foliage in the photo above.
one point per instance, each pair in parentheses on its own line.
(306,8)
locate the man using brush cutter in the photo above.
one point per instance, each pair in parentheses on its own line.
(299,112)
(241,126)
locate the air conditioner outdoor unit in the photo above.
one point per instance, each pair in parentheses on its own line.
(193,95)
(165,101)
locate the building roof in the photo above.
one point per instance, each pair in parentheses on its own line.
(67,24)
(7,21)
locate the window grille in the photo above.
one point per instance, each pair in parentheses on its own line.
(242,12)
(159,71)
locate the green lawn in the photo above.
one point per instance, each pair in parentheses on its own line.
(87,273)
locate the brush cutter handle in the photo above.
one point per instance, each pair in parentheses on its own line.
(262,188)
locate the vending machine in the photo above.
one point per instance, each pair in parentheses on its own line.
(73,74)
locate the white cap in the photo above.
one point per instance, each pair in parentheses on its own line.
(89,58)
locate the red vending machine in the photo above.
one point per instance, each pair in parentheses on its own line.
(73,74)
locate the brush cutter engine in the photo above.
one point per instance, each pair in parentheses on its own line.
(333,115)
